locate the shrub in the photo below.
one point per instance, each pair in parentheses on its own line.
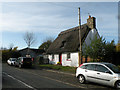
(6,54)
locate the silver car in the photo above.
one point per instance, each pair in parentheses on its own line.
(102,73)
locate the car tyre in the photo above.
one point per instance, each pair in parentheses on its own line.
(81,79)
(117,84)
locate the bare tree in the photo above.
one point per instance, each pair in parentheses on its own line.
(29,38)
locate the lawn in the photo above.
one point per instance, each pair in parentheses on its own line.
(59,68)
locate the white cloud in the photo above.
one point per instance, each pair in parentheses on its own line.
(39,23)
(34,16)
(12,22)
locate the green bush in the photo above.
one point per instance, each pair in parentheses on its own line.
(6,54)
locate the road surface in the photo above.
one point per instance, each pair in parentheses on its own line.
(31,78)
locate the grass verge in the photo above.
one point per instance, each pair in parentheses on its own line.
(58,67)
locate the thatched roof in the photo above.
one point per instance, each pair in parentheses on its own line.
(68,40)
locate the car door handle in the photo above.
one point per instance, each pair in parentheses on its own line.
(98,73)
(85,70)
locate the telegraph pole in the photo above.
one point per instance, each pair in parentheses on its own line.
(80,52)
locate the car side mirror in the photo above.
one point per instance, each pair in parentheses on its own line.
(108,72)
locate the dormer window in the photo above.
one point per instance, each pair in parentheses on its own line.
(63,44)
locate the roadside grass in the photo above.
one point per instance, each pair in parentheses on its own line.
(58,67)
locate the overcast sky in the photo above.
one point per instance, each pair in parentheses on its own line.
(48,19)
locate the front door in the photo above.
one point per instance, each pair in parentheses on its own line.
(60,58)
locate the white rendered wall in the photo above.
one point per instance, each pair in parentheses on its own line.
(50,59)
(65,62)
(73,61)
(56,58)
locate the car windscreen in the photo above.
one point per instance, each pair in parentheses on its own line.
(114,68)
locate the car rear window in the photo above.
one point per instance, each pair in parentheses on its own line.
(90,66)
(27,59)
(13,59)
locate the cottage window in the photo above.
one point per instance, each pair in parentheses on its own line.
(52,57)
(63,44)
(68,55)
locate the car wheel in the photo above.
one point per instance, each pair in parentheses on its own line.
(117,84)
(81,79)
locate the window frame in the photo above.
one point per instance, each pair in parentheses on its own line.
(52,56)
(68,55)
(91,69)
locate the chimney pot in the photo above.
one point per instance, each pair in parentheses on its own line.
(91,22)
(89,16)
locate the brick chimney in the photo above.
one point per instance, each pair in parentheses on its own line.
(91,22)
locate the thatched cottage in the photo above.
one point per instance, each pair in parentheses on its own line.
(65,48)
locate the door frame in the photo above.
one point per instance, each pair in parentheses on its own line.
(60,58)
